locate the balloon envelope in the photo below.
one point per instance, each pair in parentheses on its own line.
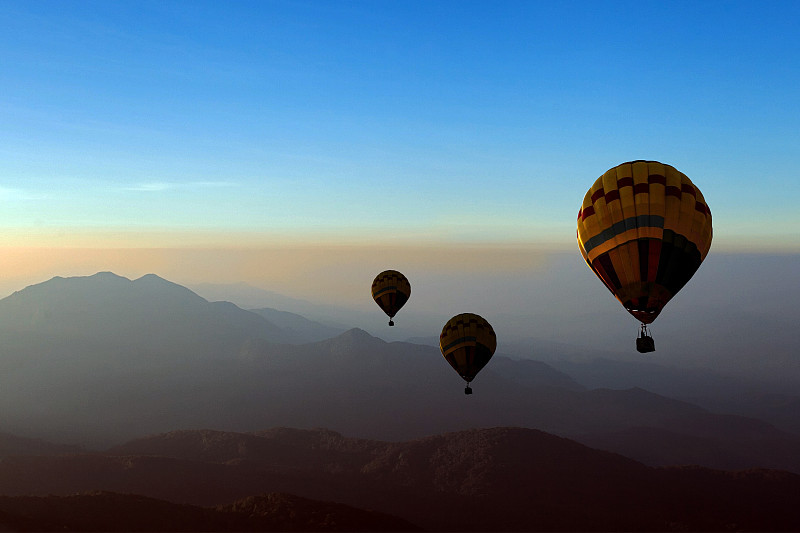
(644,228)
(391,291)
(467,342)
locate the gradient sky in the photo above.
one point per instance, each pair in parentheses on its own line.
(358,121)
(300,145)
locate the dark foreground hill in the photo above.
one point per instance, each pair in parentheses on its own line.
(508,479)
(107,511)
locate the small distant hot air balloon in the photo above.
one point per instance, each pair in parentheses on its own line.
(467,342)
(644,228)
(391,291)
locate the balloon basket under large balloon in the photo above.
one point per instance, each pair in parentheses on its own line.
(644,342)
(467,390)
(391,322)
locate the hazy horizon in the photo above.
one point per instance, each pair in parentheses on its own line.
(736,306)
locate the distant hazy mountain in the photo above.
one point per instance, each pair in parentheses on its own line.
(109,307)
(249,297)
(102,359)
(338,317)
(86,356)
(298,328)
(500,479)
(773,399)
(533,373)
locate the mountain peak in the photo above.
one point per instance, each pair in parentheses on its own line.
(150,310)
(356,333)
(152,278)
(104,275)
(156,282)
(357,337)
(108,284)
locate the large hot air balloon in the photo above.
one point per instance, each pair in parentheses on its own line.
(391,291)
(467,342)
(644,229)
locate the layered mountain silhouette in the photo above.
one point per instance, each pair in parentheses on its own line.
(14,445)
(297,328)
(149,311)
(498,479)
(102,359)
(774,401)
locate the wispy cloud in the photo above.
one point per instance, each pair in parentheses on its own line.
(152,186)
(9,194)
(157,186)
(213,184)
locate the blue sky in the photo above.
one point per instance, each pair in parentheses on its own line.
(362,121)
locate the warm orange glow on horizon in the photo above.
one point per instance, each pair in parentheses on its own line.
(321,271)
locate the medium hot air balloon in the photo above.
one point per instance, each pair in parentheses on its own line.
(391,291)
(644,228)
(467,342)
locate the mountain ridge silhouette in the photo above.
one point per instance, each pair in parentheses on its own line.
(490,479)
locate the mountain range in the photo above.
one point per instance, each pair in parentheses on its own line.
(567,444)
(98,360)
(496,479)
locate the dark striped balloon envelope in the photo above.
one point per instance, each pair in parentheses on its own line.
(391,290)
(644,228)
(467,342)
